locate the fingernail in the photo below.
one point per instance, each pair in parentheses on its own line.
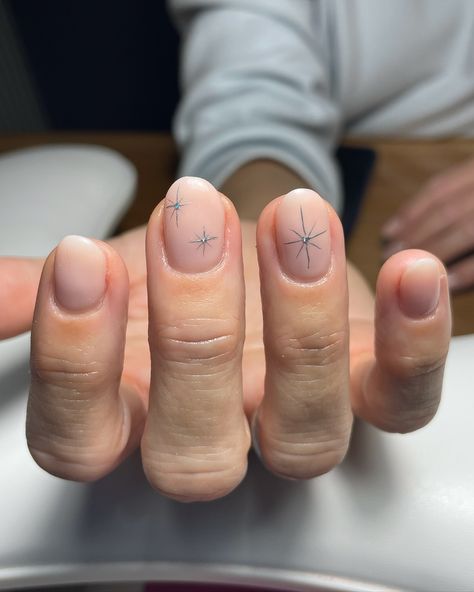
(194,225)
(303,235)
(80,269)
(419,288)
(391,228)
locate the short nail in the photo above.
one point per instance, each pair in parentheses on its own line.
(194,225)
(391,228)
(303,235)
(419,288)
(80,269)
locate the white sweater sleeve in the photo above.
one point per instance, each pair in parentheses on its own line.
(256,84)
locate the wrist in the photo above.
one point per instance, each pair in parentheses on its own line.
(256,183)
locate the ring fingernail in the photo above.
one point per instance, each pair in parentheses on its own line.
(79,274)
(194,225)
(303,235)
(420,288)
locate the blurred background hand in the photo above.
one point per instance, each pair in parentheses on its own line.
(440,219)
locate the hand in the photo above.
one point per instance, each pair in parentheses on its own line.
(440,219)
(170,377)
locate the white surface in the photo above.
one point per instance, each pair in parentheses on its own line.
(51,191)
(398,512)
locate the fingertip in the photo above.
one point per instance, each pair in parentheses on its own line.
(396,265)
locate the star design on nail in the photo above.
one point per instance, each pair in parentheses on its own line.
(176,206)
(203,240)
(305,238)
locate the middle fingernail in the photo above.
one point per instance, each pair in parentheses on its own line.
(303,235)
(194,225)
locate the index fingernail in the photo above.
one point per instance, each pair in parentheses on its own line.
(80,270)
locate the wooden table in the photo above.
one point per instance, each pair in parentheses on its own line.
(402,166)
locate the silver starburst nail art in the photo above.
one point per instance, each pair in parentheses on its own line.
(176,206)
(203,240)
(305,238)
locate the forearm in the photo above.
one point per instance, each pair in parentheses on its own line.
(255,184)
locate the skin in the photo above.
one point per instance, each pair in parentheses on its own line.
(440,219)
(162,363)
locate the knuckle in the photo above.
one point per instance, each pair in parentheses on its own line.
(416,421)
(68,463)
(83,374)
(74,445)
(420,366)
(200,341)
(303,460)
(315,348)
(409,419)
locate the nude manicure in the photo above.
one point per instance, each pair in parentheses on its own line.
(194,225)
(420,288)
(80,269)
(303,236)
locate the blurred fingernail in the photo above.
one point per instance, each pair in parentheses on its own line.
(80,269)
(303,236)
(391,228)
(420,288)
(194,225)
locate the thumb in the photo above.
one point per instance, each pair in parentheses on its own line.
(19,279)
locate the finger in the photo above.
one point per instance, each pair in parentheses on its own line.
(19,278)
(80,423)
(196,437)
(461,274)
(400,389)
(303,424)
(452,242)
(438,190)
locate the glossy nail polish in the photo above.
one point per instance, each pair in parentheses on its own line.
(420,288)
(303,236)
(80,269)
(194,225)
